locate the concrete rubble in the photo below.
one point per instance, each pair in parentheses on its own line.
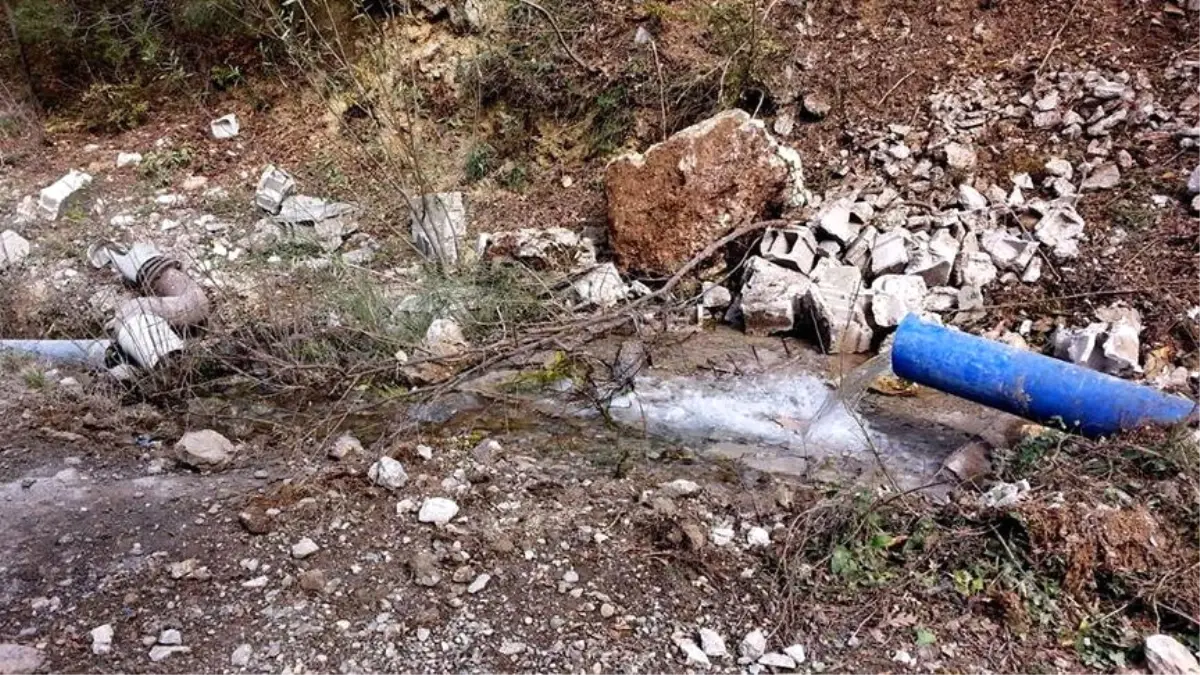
(274,186)
(225,127)
(601,286)
(1111,345)
(55,197)
(770,297)
(554,248)
(894,296)
(13,249)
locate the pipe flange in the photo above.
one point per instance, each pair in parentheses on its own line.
(153,268)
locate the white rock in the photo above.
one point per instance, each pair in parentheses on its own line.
(904,658)
(1008,251)
(1033,271)
(784,123)
(204,449)
(715,297)
(345,445)
(424,451)
(942,298)
(976,269)
(570,577)
(1166,656)
(602,286)
(934,260)
(1193,184)
(721,536)
(895,296)
(170,637)
(900,151)
(890,252)
(1046,119)
(423,634)
(193,183)
(959,156)
(770,296)
(1104,177)
(511,647)
(388,473)
(1060,229)
(753,646)
(758,536)
(712,643)
(444,337)
(693,654)
(797,653)
(13,249)
(777,660)
(241,656)
(1048,102)
(304,548)
(274,186)
(971,199)
(225,127)
(479,583)
(437,510)
(102,639)
(1005,494)
(257,582)
(54,197)
(125,159)
(1079,345)
(161,652)
(438,224)
(680,487)
(16,659)
(1060,168)
(834,220)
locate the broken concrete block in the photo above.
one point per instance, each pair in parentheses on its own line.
(1193,184)
(53,199)
(1079,345)
(791,247)
(1122,344)
(125,159)
(834,219)
(969,298)
(941,299)
(439,224)
(895,296)
(1060,229)
(829,249)
(890,252)
(838,301)
(669,203)
(1008,251)
(1033,271)
(770,296)
(959,156)
(13,249)
(602,286)
(715,297)
(225,127)
(859,253)
(298,209)
(1059,168)
(976,269)
(971,199)
(274,186)
(934,261)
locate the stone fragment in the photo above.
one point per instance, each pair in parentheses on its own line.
(424,569)
(162,652)
(1008,252)
(1167,656)
(304,548)
(796,652)
(444,338)
(1047,119)
(1104,177)
(791,247)
(344,446)
(438,223)
(305,210)
(712,643)
(777,660)
(240,658)
(693,654)
(715,297)
(225,127)
(770,296)
(1060,168)
(125,159)
(1079,345)
(668,204)
(274,186)
(816,105)
(834,219)
(1060,228)
(753,646)
(934,261)
(388,473)
(18,659)
(894,296)
(890,252)
(838,300)
(437,510)
(941,299)
(102,639)
(55,197)
(601,287)
(13,249)
(204,449)
(554,248)
(1193,184)
(959,156)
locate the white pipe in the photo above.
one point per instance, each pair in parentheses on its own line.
(146,338)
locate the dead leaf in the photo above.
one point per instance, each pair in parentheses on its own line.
(890,385)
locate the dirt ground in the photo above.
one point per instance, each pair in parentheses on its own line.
(591,559)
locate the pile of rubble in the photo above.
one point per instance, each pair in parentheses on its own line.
(300,218)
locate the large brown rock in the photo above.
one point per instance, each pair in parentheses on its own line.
(668,204)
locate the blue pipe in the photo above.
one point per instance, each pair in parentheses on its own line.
(1033,386)
(87,352)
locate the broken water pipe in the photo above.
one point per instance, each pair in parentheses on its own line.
(1033,386)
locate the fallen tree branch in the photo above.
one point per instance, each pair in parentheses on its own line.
(562,40)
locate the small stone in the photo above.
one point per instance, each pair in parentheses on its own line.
(693,655)
(758,536)
(777,660)
(816,105)
(721,536)
(125,159)
(204,449)
(1047,119)
(437,510)
(479,583)
(260,581)
(18,659)
(225,127)
(102,638)
(304,548)
(1167,656)
(344,445)
(796,652)
(715,297)
(607,611)
(511,647)
(13,249)
(255,520)
(680,487)
(54,198)
(1048,102)
(425,452)
(444,337)
(712,643)
(784,123)
(1193,184)
(1104,177)
(313,580)
(959,156)
(1060,228)
(424,569)
(904,658)
(388,473)
(753,646)
(274,185)
(170,637)
(241,656)
(971,199)
(570,577)
(1060,168)
(601,287)
(423,634)
(161,652)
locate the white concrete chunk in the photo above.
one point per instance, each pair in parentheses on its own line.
(438,226)
(13,249)
(274,186)
(225,127)
(54,198)
(770,295)
(895,296)
(602,286)
(791,247)
(1060,229)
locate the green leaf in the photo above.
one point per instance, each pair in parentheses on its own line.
(925,637)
